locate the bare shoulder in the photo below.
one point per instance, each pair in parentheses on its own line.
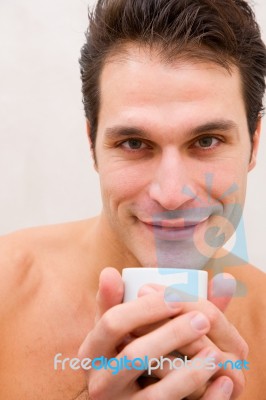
(247,309)
(16,258)
(43,308)
(247,275)
(246,312)
(250,276)
(24,253)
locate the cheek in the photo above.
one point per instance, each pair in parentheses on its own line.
(231,173)
(230,179)
(121,184)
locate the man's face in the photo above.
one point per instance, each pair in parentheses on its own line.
(173,152)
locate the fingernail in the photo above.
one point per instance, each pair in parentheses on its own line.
(172,299)
(223,285)
(227,387)
(171,294)
(146,289)
(199,322)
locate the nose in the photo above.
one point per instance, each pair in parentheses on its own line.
(173,184)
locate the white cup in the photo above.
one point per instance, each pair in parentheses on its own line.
(185,284)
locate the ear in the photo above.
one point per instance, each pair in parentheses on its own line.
(92,149)
(255,146)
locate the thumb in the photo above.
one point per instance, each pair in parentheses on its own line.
(221,290)
(110,292)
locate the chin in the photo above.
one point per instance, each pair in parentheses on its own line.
(174,255)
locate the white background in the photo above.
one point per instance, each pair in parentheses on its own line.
(46,173)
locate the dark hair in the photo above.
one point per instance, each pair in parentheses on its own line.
(221,31)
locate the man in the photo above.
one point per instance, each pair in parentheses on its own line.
(173,98)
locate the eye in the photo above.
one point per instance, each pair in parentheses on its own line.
(133,144)
(207,142)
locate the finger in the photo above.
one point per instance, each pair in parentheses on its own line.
(236,376)
(220,389)
(117,322)
(146,379)
(220,292)
(221,289)
(199,393)
(222,332)
(180,383)
(110,292)
(222,336)
(162,372)
(145,290)
(151,347)
(174,334)
(227,367)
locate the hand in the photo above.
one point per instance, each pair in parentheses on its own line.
(222,335)
(115,321)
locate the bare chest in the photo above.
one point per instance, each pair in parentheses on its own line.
(35,336)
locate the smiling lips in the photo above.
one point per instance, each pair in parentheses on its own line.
(173,229)
(171,224)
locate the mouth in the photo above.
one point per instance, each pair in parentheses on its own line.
(173,230)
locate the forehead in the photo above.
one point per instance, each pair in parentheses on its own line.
(138,86)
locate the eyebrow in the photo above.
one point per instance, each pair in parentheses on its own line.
(118,131)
